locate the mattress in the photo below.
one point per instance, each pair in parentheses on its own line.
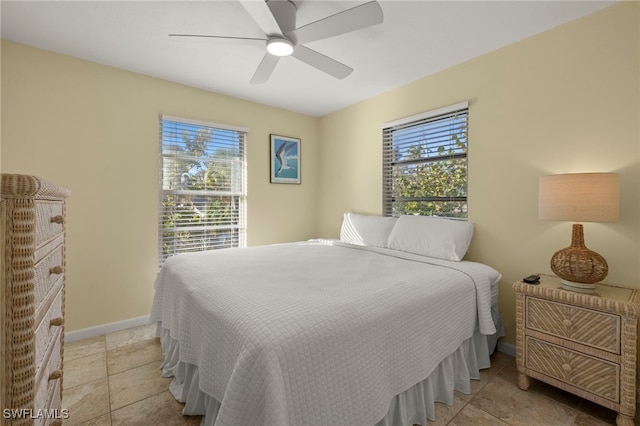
(320,332)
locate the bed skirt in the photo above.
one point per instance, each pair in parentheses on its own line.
(410,407)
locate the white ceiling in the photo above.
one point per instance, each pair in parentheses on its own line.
(417,38)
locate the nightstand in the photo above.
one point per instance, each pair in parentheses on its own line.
(582,343)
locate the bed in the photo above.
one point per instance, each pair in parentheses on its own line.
(358,331)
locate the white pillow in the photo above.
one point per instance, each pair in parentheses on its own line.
(431,236)
(366,230)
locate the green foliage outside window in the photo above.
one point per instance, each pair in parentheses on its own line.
(202,189)
(428,169)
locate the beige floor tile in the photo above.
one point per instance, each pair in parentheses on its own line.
(473,416)
(82,348)
(136,384)
(134,355)
(129,336)
(86,369)
(583,419)
(104,420)
(86,401)
(507,402)
(160,409)
(500,359)
(510,374)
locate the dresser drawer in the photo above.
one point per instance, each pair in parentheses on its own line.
(49,220)
(593,328)
(597,376)
(48,271)
(47,329)
(53,414)
(48,374)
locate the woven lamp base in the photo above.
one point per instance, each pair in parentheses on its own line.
(578,267)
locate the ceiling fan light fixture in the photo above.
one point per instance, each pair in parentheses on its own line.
(279,46)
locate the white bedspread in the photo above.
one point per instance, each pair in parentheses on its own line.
(317,332)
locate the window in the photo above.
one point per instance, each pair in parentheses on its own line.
(425,164)
(202,186)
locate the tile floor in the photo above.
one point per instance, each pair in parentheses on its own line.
(115,380)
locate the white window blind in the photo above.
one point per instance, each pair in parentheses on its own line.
(425,164)
(202,186)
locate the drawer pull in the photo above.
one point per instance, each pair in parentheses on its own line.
(57,219)
(56,374)
(56,322)
(57,270)
(566,322)
(566,367)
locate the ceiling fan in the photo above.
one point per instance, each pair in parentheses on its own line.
(277,19)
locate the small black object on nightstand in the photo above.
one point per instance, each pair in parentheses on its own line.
(532,279)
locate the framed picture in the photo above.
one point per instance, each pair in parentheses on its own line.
(285,159)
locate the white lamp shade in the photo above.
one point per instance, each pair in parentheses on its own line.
(579,197)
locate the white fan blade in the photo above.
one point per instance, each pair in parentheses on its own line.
(284,12)
(215,36)
(265,69)
(261,13)
(353,19)
(322,62)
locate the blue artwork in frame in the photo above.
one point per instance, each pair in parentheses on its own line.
(285,159)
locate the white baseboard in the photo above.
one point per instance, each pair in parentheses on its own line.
(507,348)
(99,330)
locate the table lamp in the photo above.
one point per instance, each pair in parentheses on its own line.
(579,197)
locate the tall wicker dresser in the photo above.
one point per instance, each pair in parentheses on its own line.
(32,215)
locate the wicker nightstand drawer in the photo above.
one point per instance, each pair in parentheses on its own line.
(598,329)
(591,374)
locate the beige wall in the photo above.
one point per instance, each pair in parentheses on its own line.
(563,101)
(94,129)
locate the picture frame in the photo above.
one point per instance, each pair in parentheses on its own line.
(285,160)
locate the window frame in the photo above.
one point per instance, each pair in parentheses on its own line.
(171,131)
(391,202)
